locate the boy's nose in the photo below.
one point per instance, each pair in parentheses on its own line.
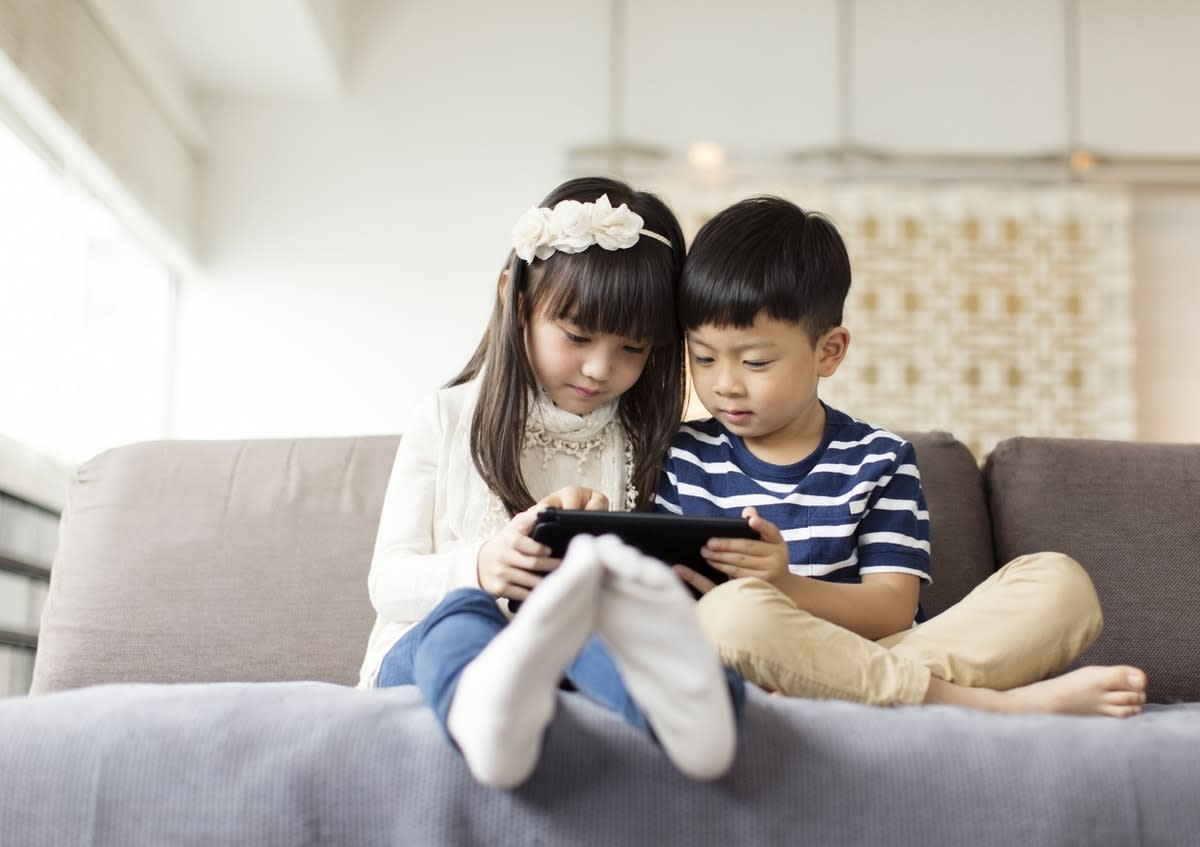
(726,383)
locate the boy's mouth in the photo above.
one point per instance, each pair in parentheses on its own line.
(735,415)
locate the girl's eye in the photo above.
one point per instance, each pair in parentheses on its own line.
(635,350)
(575,339)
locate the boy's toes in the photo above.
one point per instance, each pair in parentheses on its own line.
(1125,698)
(1130,679)
(1122,711)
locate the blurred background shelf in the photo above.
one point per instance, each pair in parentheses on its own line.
(28,537)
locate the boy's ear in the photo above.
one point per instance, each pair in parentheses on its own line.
(831,349)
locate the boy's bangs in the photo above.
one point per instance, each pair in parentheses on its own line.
(622,298)
(733,303)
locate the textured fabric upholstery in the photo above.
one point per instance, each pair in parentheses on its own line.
(194,561)
(1130,514)
(201,561)
(959,528)
(317,764)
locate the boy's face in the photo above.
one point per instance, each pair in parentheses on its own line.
(761,381)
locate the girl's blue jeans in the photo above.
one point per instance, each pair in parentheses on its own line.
(433,654)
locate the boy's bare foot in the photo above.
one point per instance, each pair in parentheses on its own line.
(1114,690)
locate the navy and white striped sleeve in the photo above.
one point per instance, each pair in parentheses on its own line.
(894,532)
(667,498)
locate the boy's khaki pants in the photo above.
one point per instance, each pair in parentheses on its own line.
(1026,622)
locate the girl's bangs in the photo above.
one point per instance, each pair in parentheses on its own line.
(614,293)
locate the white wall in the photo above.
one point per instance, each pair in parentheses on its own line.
(351,244)
(1166,314)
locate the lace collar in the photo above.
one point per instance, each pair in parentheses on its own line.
(551,431)
(547,419)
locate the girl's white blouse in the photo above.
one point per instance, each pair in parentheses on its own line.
(438,512)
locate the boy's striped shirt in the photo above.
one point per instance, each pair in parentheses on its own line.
(853,507)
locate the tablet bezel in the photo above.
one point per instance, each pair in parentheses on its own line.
(673,539)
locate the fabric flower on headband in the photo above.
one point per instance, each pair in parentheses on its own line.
(572,227)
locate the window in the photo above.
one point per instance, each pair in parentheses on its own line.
(85,316)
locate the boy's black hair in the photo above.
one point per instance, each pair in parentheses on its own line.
(765,254)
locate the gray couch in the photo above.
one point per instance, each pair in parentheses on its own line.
(236,571)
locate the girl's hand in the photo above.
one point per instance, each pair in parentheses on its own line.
(765,559)
(575,497)
(512,563)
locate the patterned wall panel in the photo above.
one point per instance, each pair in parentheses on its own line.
(987,311)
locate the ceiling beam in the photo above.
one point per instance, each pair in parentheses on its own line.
(142,49)
(331,20)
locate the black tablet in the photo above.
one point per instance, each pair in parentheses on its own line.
(675,539)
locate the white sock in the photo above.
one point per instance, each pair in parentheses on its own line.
(506,696)
(648,620)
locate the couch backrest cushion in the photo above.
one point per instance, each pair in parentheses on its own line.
(188,561)
(195,561)
(1130,514)
(960,532)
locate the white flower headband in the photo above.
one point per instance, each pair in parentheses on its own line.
(572,227)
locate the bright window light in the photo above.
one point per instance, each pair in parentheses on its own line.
(85,316)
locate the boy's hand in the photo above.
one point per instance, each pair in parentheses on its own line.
(697,581)
(512,563)
(575,497)
(737,558)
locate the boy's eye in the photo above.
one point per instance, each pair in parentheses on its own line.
(758,364)
(702,360)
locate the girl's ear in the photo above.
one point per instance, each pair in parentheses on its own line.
(502,289)
(502,296)
(831,349)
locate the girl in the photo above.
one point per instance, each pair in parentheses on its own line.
(571,399)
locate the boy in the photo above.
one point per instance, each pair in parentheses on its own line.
(824,604)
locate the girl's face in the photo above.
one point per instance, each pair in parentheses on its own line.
(581,370)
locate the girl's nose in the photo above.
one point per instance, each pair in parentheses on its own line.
(597,366)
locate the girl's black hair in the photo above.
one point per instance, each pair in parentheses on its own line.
(630,293)
(765,254)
